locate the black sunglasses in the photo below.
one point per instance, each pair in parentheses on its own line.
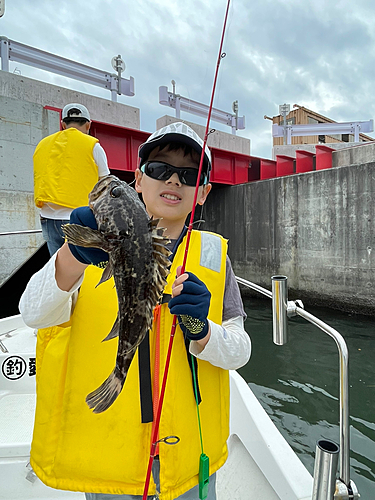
(162,171)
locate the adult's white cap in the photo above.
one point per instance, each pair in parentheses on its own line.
(75,110)
(176,132)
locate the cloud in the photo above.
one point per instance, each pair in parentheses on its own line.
(315,53)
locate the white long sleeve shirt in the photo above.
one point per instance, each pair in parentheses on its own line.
(44,304)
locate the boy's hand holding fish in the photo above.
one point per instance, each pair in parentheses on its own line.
(191,302)
(83,216)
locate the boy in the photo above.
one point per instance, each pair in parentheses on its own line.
(108,453)
(67,165)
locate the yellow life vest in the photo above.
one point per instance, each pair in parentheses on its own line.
(64,169)
(77,450)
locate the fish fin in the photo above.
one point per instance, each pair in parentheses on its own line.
(83,236)
(153,222)
(162,260)
(107,274)
(159,243)
(157,231)
(162,263)
(161,248)
(160,251)
(105,395)
(114,331)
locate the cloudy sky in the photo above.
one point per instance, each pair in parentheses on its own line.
(316,53)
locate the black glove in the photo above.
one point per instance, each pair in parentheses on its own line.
(191,307)
(83,216)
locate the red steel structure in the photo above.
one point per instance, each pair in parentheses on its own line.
(323,157)
(267,169)
(121,145)
(304,161)
(285,165)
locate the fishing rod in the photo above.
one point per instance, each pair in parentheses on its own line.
(154,438)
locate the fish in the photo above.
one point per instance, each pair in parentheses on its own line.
(139,263)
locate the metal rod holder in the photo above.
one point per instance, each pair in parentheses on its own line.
(279,309)
(345,487)
(325,469)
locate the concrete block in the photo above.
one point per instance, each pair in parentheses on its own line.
(17,213)
(217,139)
(45,94)
(24,122)
(16,166)
(356,155)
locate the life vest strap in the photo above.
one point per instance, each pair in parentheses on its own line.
(147,412)
(145,380)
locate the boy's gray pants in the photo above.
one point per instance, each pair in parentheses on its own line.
(192,494)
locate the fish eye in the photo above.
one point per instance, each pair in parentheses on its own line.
(116,192)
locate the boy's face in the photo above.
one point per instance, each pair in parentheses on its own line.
(170,199)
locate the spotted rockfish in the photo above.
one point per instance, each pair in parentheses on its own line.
(138,261)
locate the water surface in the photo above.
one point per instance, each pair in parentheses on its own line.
(298,384)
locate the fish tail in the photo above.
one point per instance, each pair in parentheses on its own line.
(105,395)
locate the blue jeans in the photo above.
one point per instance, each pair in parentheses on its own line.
(192,494)
(52,233)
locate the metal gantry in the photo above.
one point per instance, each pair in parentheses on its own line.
(354,128)
(10,50)
(180,103)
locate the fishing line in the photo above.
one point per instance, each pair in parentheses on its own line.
(190,228)
(204,461)
(220,78)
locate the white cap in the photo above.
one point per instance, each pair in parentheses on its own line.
(176,132)
(82,111)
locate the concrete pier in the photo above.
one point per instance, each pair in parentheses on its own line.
(317,228)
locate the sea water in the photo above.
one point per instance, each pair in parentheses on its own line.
(298,383)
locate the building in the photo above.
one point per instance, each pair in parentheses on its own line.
(303,116)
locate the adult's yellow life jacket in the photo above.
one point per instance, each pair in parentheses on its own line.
(75,449)
(64,169)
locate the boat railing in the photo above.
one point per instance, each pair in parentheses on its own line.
(325,486)
(27,231)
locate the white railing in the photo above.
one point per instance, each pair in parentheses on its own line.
(281,309)
(11,50)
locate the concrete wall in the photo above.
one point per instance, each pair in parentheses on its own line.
(102,110)
(22,126)
(316,228)
(217,139)
(23,123)
(357,155)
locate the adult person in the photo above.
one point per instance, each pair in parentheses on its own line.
(67,165)
(106,455)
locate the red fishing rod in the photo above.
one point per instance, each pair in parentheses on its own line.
(154,436)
